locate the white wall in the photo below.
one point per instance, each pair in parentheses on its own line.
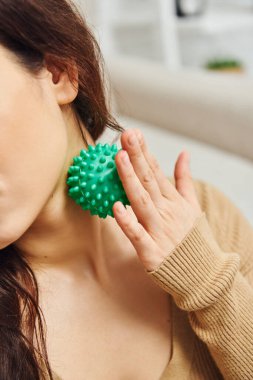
(218,33)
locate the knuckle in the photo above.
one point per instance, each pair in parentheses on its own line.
(166,208)
(154,163)
(138,235)
(127,226)
(144,199)
(148,177)
(129,175)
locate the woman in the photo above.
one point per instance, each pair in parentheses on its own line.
(161,291)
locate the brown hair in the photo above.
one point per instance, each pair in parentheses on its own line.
(34,30)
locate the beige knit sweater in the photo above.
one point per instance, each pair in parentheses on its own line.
(209,277)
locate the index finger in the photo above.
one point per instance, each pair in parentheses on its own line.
(139,198)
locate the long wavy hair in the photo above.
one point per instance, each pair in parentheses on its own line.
(32,30)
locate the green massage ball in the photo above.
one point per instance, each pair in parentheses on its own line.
(94,182)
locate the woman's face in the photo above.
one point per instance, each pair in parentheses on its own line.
(33,146)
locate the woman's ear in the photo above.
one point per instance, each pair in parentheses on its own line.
(64,80)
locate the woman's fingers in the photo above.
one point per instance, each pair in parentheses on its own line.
(139,197)
(167,189)
(130,143)
(183,179)
(139,237)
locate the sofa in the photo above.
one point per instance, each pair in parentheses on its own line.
(209,114)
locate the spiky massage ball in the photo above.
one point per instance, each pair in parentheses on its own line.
(94,182)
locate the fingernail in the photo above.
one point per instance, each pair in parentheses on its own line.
(125,158)
(120,209)
(132,139)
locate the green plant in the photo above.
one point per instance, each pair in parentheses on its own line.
(223,63)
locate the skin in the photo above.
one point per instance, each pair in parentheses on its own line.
(74,255)
(37,144)
(164,213)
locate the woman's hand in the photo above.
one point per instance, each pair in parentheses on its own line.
(162,213)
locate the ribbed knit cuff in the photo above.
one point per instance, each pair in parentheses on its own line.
(197,273)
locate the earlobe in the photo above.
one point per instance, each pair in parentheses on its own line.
(64,89)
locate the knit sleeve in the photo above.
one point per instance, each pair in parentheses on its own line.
(210,275)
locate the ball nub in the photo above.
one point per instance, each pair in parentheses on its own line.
(94,182)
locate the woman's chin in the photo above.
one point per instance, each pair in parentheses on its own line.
(4,242)
(9,233)
(7,240)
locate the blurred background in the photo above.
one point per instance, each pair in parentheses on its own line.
(182,72)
